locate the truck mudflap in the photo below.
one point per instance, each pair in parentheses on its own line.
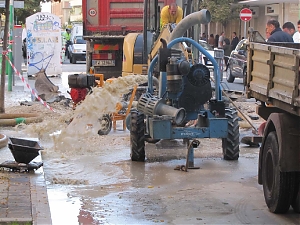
(287,131)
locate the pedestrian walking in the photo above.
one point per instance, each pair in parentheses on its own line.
(227,50)
(221,40)
(211,40)
(203,37)
(234,41)
(216,40)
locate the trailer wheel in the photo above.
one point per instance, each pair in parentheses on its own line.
(296,198)
(137,136)
(278,186)
(230,145)
(229,77)
(106,125)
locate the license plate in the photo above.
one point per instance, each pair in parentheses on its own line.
(105,63)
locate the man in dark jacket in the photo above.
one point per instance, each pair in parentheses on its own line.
(234,41)
(276,34)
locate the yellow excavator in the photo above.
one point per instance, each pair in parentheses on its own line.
(140,48)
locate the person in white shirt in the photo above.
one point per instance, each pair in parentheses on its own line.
(221,40)
(296,36)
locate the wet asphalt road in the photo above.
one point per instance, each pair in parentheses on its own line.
(119,191)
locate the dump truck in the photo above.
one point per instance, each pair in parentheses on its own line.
(273,80)
(105,25)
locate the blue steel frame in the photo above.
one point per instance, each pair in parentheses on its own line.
(161,128)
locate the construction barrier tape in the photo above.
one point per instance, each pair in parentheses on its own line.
(28,86)
(19,120)
(6,52)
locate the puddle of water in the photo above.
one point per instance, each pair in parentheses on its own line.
(63,206)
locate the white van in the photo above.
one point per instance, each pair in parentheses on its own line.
(77,30)
(77,50)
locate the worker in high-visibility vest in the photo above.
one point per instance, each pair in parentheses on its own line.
(170,14)
(67,36)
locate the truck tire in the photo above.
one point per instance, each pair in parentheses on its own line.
(229,76)
(278,186)
(106,122)
(230,145)
(137,136)
(296,198)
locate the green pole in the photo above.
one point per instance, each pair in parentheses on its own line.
(11,24)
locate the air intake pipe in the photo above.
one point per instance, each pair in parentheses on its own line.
(201,17)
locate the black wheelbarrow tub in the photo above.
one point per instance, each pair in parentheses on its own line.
(23,151)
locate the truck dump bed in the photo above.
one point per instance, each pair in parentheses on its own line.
(114,17)
(273,75)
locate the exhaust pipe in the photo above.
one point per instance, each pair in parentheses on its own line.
(201,17)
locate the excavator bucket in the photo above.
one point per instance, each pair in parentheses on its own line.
(44,87)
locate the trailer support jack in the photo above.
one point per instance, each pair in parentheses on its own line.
(190,154)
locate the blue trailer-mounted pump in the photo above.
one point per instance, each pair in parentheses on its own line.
(184,93)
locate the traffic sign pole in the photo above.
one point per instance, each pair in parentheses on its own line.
(245,29)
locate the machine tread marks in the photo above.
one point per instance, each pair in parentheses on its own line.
(278,186)
(231,144)
(137,136)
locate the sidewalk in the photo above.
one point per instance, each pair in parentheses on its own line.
(23,195)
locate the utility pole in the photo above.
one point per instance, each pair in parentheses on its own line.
(11,25)
(3,75)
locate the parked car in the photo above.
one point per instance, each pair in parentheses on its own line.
(202,58)
(237,63)
(77,49)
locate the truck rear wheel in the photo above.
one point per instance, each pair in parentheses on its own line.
(230,145)
(296,198)
(137,136)
(278,186)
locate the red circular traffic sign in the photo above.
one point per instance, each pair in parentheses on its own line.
(92,12)
(246,14)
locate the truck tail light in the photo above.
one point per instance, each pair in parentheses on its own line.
(104,56)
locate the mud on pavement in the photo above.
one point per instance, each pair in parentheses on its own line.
(91,179)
